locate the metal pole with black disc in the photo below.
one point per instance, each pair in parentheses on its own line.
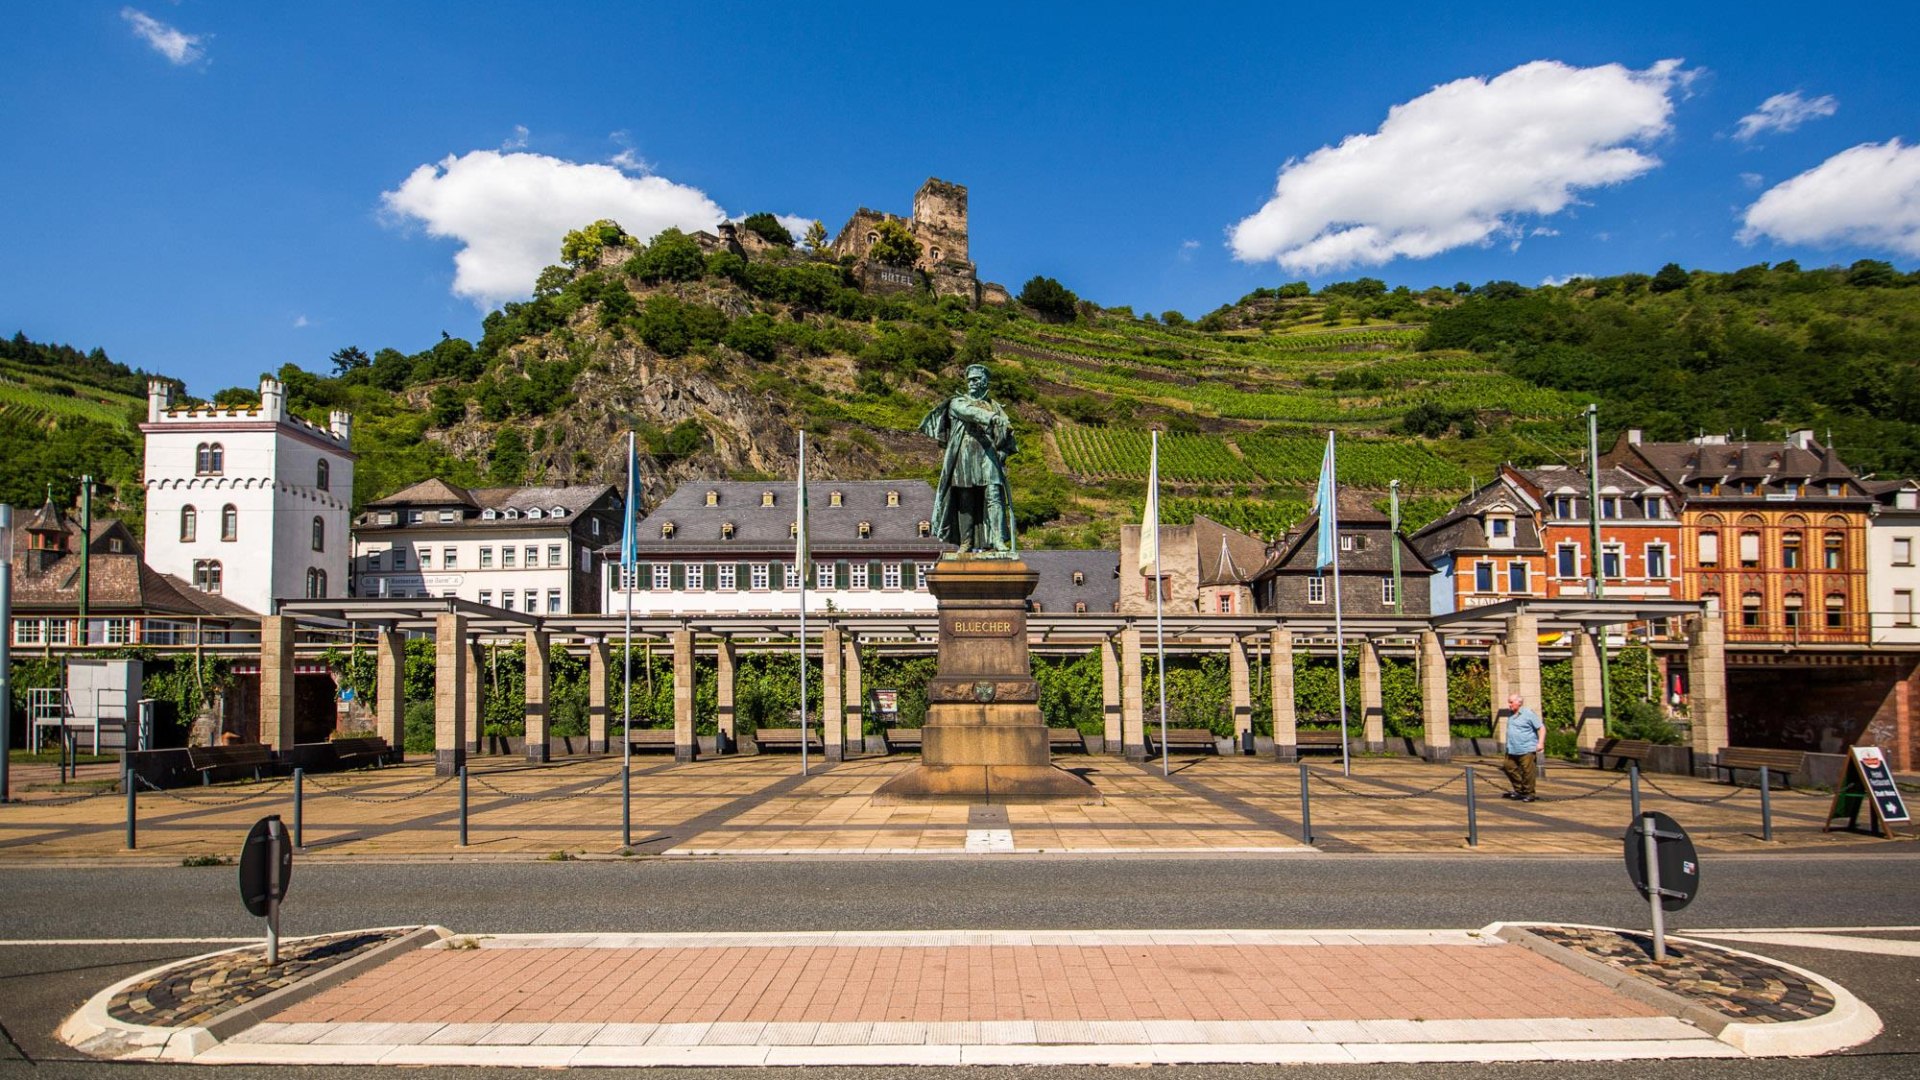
(266,866)
(1662,864)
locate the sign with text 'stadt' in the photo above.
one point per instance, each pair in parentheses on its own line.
(1868,782)
(255,867)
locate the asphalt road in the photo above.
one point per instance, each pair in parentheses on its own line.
(40,984)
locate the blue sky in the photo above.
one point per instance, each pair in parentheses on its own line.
(214,189)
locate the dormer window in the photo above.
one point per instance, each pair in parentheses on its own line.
(726,530)
(512,514)
(488,514)
(833,498)
(893,498)
(1499,527)
(415,517)
(926,529)
(384,517)
(793,530)
(766,498)
(866,530)
(1610,506)
(1079,578)
(666,530)
(447,516)
(713,497)
(558,511)
(1563,506)
(534,512)
(1835,490)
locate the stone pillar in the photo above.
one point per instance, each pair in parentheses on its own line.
(723,661)
(1589,699)
(476,690)
(1240,691)
(1707,684)
(390,690)
(832,716)
(1497,690)
(1133,716)
(683,742)
(1286,739)
(451,658)
(539,693)
(856,715)
(277,682)
(1436,729)
(1373,710)
(1110,694)
(1523,659)
(599,659)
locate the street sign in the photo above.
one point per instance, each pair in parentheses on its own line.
(257,886)
(1678,877)
(886,702)
(1868,782)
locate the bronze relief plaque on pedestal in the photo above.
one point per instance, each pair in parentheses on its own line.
(984,739)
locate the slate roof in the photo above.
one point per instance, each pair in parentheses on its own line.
(762,529)
(1358,517)
(119,582)
(1682,465)
(1227,555)
(437,494)
(1056,593)
(1613,480)
(1460,529)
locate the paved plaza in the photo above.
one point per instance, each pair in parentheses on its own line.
(762,805)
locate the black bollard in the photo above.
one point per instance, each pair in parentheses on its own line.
(463,806)
(1306,808)
(626,803)
(132,835)
(1766,803)
(299,798)
(1633,786)
(1473,813)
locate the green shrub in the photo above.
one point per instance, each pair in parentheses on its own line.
(1636,719)
(419,727)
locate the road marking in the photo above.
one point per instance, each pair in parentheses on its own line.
(989,839)
(1727,930)
(17,942)
(1831,942)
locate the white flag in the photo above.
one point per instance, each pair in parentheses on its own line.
(1150,522)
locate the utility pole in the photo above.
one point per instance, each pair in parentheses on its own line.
(1393,540)
(86,553)
(1597,580)
(6,643)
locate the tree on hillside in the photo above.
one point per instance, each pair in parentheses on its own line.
(672,256)
(349,359)
(508,463)
(1173,318)
(582,248)
(768,228)
(816,239)
(894,246)
(1049,299)
(1670,279)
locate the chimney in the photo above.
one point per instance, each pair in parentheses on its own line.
(273,399)
(340,421)
(1634,435)
(159,399)
(1801,440)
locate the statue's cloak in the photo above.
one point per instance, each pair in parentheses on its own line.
(978,438)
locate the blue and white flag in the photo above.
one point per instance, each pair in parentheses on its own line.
(802,543)
(1324,501)
(629,534)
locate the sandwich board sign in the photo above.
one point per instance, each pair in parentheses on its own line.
(1868,783)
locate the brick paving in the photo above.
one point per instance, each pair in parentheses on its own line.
(1742,987)
(760,805)
(195,992)
(954,984)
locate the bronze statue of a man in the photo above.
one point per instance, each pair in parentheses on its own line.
(973,506)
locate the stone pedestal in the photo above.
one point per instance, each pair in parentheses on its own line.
(984,739)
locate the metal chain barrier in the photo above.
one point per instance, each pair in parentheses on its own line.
(347,793)
(67,800)
(588,790)
(266,789)
(1738,789)
(1617,781)
(1336,785)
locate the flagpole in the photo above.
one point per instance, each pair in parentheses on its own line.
(801,512)
(1330,520)
(628,567)
(1159,618)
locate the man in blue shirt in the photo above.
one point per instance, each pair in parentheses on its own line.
(1524,731)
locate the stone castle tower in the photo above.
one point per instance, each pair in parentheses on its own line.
(939,223)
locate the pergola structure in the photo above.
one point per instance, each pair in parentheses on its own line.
(1510,635)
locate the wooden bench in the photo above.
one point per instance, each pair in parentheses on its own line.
(1621,750)
(1319,739)
(1065,740)
(902,738)
(652,739)
(786,738)
(1779,763)
(362,750)
(1182,738)
(207,759)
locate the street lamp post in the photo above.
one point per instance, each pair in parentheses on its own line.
(6,646)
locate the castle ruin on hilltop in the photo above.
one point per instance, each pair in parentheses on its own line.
(939,224)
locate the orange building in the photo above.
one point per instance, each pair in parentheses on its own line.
(1488,548)
(1639,532)
(1773,534)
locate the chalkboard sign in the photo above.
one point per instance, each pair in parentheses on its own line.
(1868,782)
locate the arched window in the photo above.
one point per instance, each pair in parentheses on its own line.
(766,498)
(893,498)
(793,530)
(1836,551)
(229,522)
(1790,552)
(713,498)
(209,459)
(1711,601)
(926,529)
(316,584)
(206,575)
(866,530)
(323,475)
(666,530)
(1795,610)
(1836,611)
(1750,548)
(189,524)
(833,498)
(726,530)
(319,534)
(1750,610)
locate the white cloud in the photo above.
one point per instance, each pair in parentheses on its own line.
(1460,163)
(1566,279)
(300,322)
(1752,179)
(796,224)
(509,211)
(518,140)
(179,48)
(1784,112)
(1868,195)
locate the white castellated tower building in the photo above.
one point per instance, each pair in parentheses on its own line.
(248,501)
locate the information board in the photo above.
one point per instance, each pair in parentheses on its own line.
(1868,782)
